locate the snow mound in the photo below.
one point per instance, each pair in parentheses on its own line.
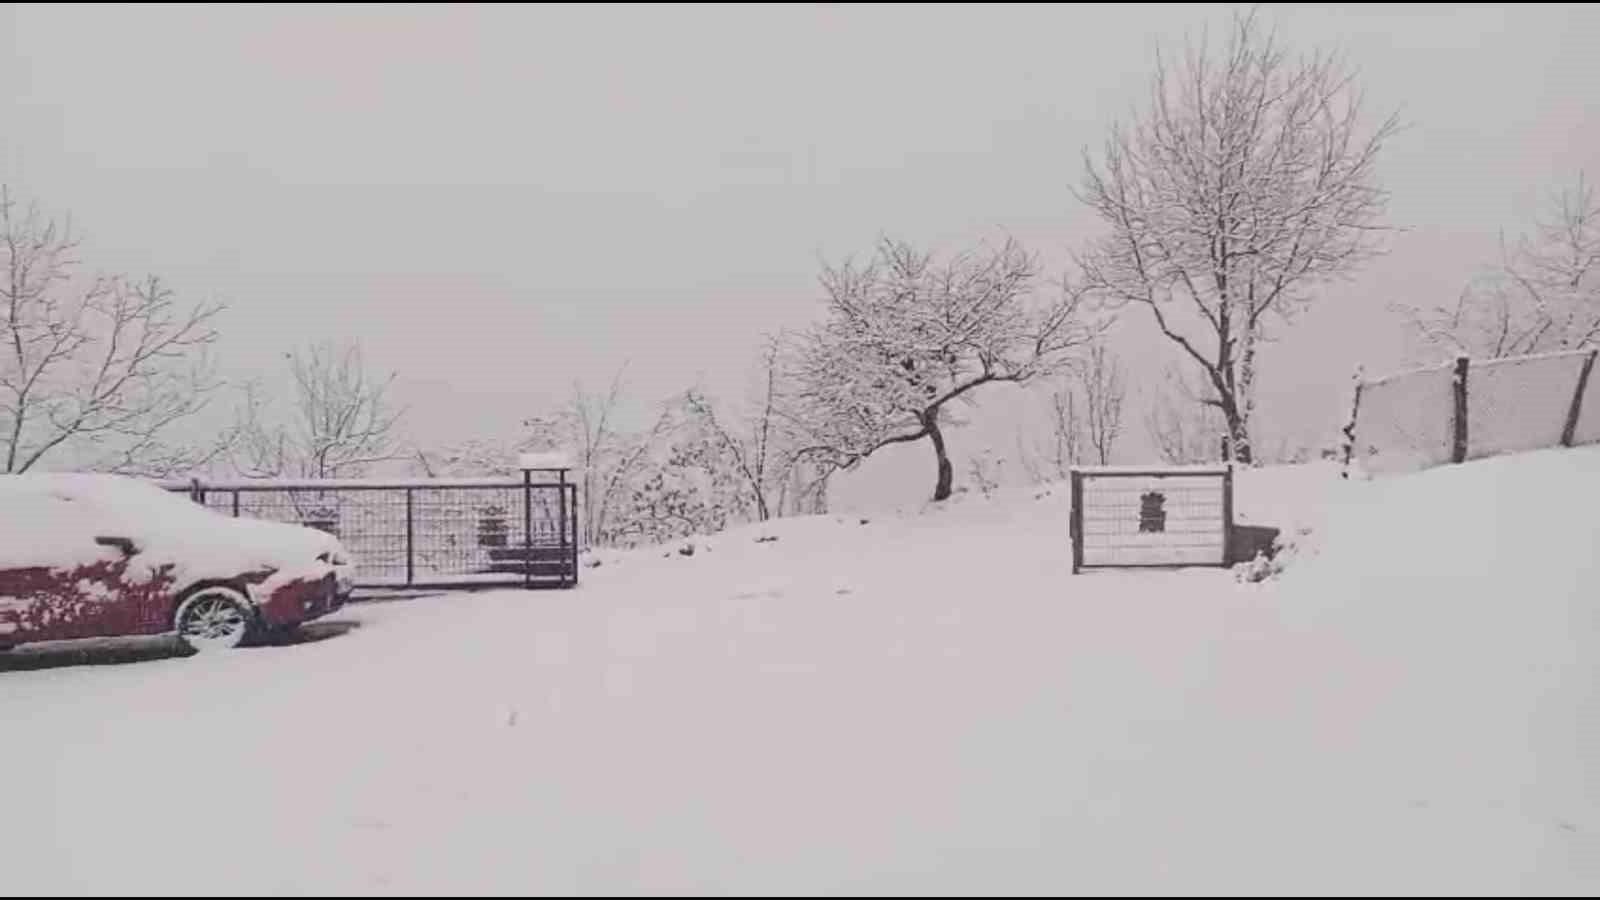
(1502,521)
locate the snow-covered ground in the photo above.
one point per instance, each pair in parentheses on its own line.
(923,703)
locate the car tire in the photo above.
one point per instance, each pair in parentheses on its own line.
(214,619)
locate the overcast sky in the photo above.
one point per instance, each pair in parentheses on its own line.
(498,200)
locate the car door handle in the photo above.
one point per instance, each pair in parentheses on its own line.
(126,545)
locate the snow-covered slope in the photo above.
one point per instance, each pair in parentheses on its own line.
(917,703)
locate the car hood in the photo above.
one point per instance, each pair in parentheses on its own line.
(209,546)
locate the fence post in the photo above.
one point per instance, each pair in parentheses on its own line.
(1075,523)
(1569,433)
(1458,451)
(527,528)
(1350,428)
(1227,516)
(411,555)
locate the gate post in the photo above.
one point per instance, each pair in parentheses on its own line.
(561,529)
(527,528)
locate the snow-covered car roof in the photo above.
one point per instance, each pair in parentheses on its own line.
(110,490)
(51,520)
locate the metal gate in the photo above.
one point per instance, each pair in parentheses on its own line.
(425,533)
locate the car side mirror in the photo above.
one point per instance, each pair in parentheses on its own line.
(126,545)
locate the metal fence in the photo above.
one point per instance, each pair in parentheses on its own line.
(424,533)
(1470,409)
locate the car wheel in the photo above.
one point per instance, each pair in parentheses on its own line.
(213,618)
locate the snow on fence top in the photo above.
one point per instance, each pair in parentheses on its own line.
(337,484)
(1152,470)
(1408,374)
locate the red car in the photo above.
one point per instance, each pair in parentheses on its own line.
(86,556)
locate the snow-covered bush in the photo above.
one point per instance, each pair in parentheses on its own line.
(1272,561)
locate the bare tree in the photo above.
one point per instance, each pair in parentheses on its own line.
(1248,181)
(1103,393)
(1053,458)
(342,420)
(96,369)
(905,337)
(756,448)
(1543,296)
(609,458)
(1085,418)
(1183,427)
(807,491)
(987,470)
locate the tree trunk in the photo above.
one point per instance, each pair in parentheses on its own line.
(1239,436)
(1238,429)
(1247,381)
(941,489)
